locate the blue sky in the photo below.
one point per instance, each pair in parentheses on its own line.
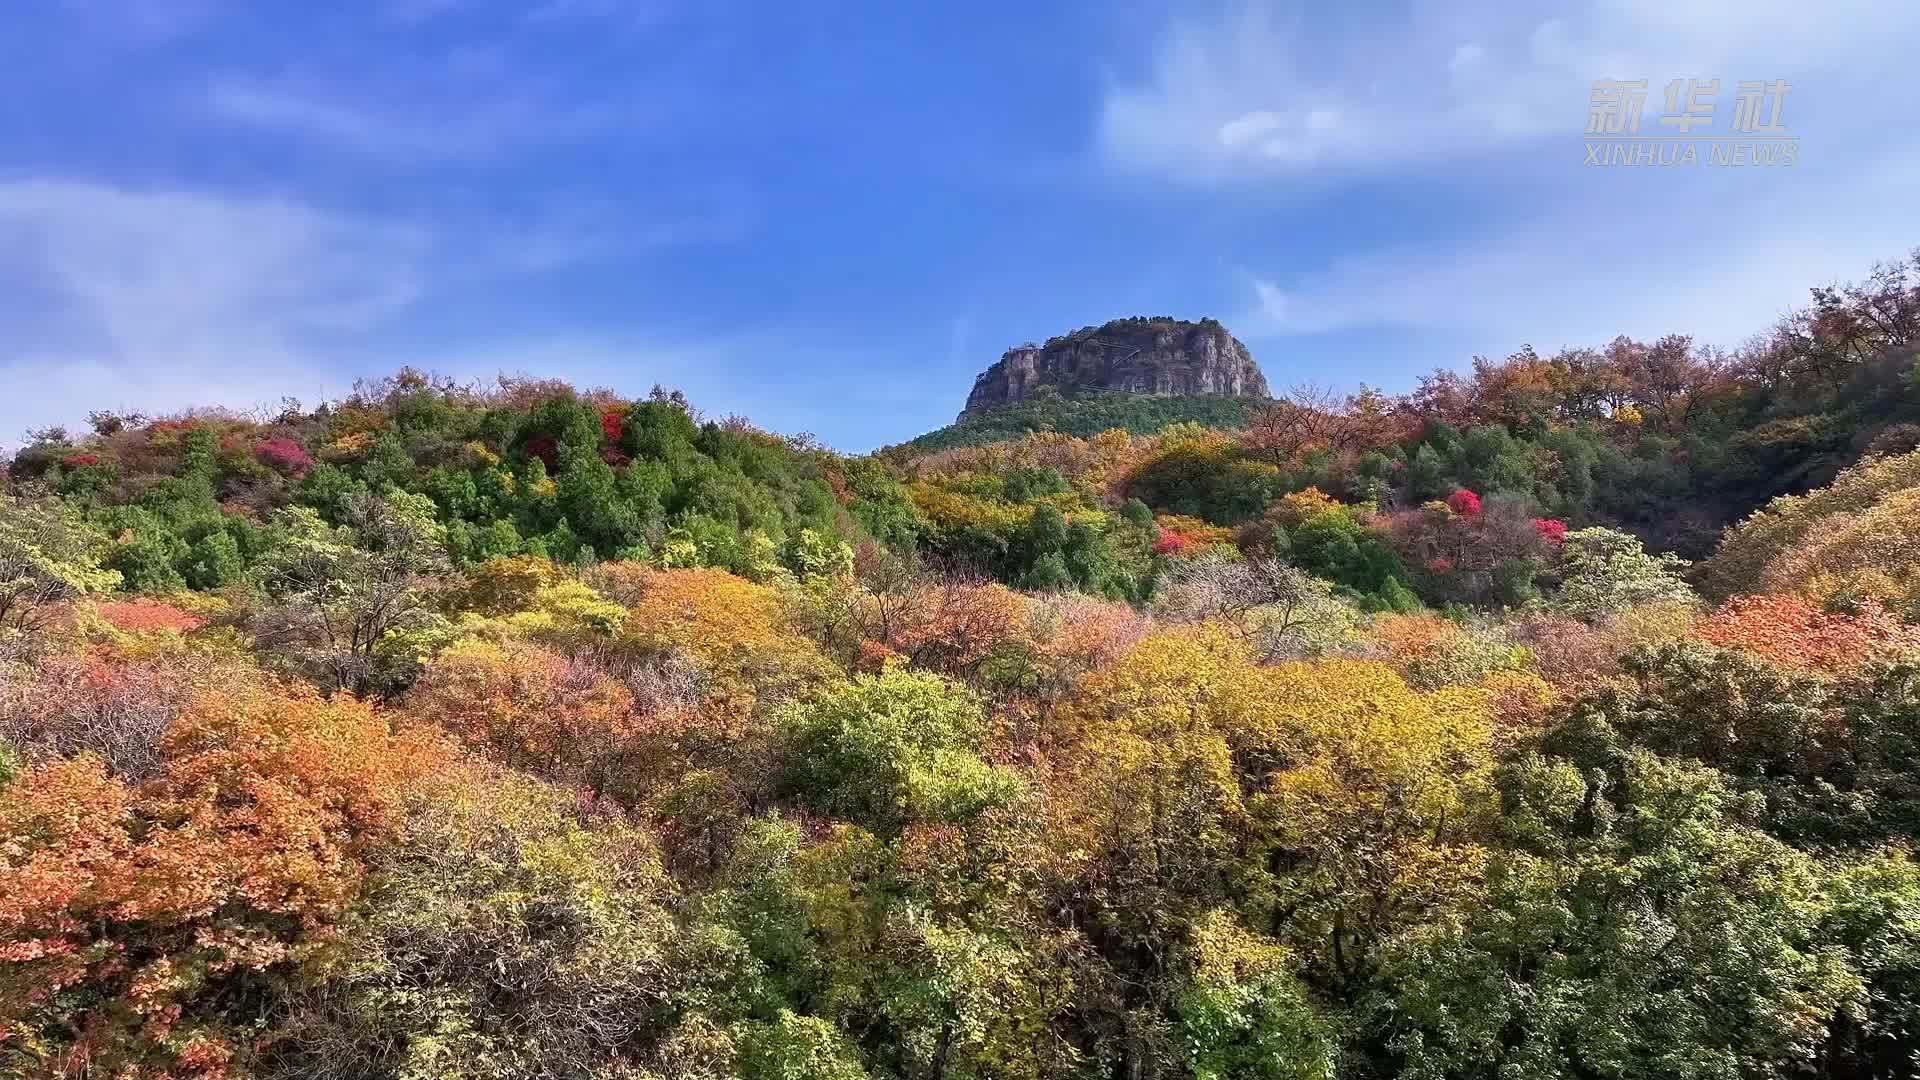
(829,217)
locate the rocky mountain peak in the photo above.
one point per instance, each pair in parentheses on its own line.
(1141,355)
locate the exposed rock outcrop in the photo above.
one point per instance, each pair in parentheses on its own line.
(1138,355)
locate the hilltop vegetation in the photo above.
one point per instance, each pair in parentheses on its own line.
(1132,324)
(525,468)
(525,731)
(1085,414)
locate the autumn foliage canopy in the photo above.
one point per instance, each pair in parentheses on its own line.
(494,732)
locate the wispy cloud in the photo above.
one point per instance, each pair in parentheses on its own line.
(143,21)
(1268,90)
(263,107)
(631,13)
(572,229)
(161,300)
(414,130)
(127,298)
(419,10)
(1720,263)
(1473,113)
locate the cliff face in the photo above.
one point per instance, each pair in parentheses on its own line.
(1144,356)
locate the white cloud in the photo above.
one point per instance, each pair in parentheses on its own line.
(1721,261)
(1262,91)
(1471,114)
(163,300)
(158,300)
(149,259)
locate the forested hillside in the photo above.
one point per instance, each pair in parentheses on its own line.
(1559,718)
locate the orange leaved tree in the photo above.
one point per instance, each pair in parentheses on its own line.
(1796,632)
(527,707)
(144,929)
